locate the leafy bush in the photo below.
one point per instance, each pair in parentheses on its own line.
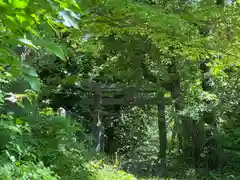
(108,173)
(26,171)
(47,138)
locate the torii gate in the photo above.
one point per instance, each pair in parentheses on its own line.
(129,97)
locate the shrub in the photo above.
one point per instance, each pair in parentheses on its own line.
(46,138)
(25,171)
(109,173)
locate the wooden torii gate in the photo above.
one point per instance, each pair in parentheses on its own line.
(129,96)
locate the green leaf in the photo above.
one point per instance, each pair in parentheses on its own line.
(68,20)
(71,79)
(2,3)
(51,47)
(1,97)
(17,163)
(33,82)
(30,71)
(21,18)
(19,121)
(27,42)
(21,4)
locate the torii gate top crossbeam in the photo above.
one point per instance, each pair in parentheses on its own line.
(128,95)
(94,87)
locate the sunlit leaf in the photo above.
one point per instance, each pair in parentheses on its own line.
(1,97)
(71,79)
(21,18)
(17,163)
(11,97)
(2,3)
(28,70)
(19,121)
(33,82)
(27,42)
(51,47)
(21,4)
(68,20)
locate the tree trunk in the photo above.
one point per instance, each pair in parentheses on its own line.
(162,129)
(198,136)
(184,124)
(210,119)
(98,128)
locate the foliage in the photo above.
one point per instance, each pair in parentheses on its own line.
(26,171)
(46,138)
(109,173)
(104,171)
(188,50)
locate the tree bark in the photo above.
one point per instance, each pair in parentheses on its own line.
(98,128)
(208,117)
(162,129)
(184,124)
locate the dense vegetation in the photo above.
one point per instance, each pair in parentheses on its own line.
(183,53)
